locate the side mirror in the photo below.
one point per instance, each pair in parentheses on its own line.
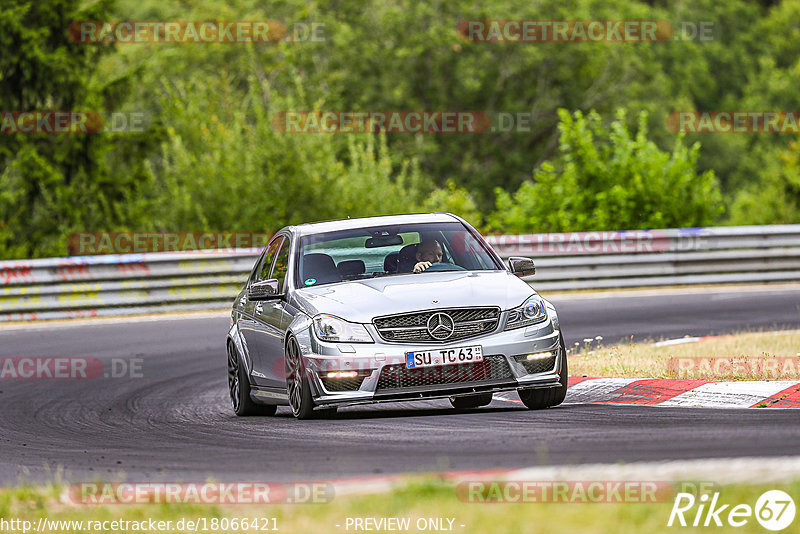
(264,290)
(521,266)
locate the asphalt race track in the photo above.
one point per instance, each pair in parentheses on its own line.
(174,422)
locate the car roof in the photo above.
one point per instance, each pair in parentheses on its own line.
(366,222)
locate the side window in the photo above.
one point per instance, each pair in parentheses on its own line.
(470,253)
(282,265)
(269,258)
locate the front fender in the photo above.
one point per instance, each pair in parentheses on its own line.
(552,313)
(300,329)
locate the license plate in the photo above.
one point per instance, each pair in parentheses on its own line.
(436,358)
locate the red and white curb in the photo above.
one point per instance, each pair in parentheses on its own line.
(685,393)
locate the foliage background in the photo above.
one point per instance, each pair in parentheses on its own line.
(598,154)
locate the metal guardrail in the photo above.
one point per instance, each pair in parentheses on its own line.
(637,258)
(93,286)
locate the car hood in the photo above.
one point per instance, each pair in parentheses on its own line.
(359,301)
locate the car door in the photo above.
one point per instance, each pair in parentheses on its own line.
(249,325)
(270,315)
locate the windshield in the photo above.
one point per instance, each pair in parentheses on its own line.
(390,250)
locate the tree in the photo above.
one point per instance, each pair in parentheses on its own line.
(52,184)
(249,176)
(609,178)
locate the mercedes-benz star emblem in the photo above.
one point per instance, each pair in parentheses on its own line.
(441,326)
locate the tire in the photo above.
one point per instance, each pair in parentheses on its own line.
(469,402)
(538,399)
(297,384)
(239,388)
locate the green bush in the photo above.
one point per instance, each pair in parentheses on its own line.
(775,198)
(224,166)
(609,178)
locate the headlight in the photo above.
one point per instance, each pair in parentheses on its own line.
(330,328)
(532,311)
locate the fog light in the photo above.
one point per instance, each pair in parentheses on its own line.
(342,374)
(540,356)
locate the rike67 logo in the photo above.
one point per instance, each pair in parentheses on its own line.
(774,510)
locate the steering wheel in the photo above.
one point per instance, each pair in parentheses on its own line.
(444,267)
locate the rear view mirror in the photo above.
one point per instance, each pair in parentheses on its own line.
(264,290)
(383,241)
(521,266)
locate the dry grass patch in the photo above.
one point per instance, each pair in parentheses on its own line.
(747,356)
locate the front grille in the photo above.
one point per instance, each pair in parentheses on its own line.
(396,376)
(344,384)
(536,366)
(412,327)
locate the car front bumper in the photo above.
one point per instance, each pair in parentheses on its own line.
(504,368)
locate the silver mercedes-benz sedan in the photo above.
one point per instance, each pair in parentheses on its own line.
(391,308)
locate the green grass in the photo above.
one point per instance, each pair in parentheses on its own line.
(424,498)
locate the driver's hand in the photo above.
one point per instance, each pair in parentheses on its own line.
(421,266)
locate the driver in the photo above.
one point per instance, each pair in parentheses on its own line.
(428,253)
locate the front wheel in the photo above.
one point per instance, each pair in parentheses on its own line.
(297,383)
(537,399)
(239,388)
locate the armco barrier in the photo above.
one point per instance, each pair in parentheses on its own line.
(92,286)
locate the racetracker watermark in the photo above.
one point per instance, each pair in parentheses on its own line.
(243,31)
(201,493)
(575,491)
(72,122)
(615,242)
(774,121)
(69,368)
(583,31)
(430,122)
(146,524)
(564,31)
(766,367)
(90,243)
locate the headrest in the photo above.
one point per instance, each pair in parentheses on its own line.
(390,262)
(407,258)
(351,267)
(320,268)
